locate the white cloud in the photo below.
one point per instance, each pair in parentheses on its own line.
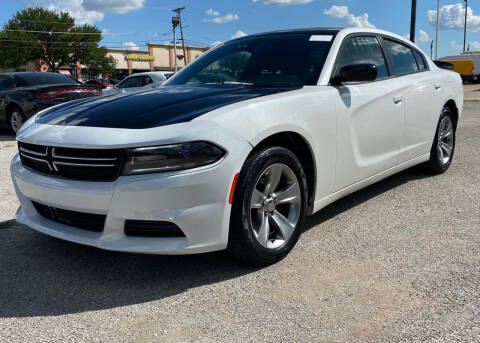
(452,17)
(212,12)
(238,34)
(455,46)
(352,20)
(87,11)
(471,46)
(337,11)
(283,2)
(423,37)
(130,45)
(222,20)
(115,6)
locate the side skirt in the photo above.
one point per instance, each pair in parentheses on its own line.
(319,204)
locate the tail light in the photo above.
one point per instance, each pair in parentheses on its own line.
(53,93)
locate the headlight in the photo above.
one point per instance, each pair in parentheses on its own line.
(174,157)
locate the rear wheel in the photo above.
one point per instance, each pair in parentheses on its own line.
(269,209)
(16,119)
(443,146)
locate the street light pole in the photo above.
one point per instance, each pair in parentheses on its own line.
(465,27)
(436,30)
(413,20)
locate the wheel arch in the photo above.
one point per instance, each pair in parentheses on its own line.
(11,106)
(452,105)
(299,145)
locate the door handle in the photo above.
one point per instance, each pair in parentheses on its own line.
(397,100)
(437,86)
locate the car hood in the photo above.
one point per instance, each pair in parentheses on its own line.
(153,107)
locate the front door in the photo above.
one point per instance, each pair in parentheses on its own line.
(370,116)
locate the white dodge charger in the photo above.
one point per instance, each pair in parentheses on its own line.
(239,147)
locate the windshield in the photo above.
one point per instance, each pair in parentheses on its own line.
(289,59)
(35,79)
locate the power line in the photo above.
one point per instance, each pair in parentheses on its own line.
(70,33)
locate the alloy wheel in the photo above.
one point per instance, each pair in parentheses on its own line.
(16,121)
(275,206)
(445,140)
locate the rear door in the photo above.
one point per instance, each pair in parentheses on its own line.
(370,116)
(423,93)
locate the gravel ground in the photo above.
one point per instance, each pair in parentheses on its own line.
(396,262)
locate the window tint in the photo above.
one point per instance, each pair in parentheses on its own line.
(132,82)
(363,50)
(420,60)
(6,83)
(34,79)
(147,80)
(402,58)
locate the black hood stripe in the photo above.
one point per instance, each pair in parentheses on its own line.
(152,108)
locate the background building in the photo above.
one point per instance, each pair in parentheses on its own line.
(158,57)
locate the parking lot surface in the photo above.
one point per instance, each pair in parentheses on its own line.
(396,262)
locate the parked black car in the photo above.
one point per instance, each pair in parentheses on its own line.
(23,94)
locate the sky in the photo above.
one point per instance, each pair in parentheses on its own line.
(133,23)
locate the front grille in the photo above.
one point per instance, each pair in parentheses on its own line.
(70,163)
(150,228)
(86,221)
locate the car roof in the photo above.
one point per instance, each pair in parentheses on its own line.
(327,31)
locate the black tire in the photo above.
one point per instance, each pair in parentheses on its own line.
(15,113)
(436,165)
(242,242)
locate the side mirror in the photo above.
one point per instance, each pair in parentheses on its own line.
(444,65)
(362,72)
(116,86)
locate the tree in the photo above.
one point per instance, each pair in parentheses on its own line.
(98,63)
(37,33)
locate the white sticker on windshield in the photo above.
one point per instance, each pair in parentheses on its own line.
(321,38)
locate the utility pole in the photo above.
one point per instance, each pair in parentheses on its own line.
(436,30)
(413,20)
(465,28)
(431,49)
(179,15)
(175,22)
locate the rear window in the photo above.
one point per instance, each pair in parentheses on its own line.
(36,79)
(420,60)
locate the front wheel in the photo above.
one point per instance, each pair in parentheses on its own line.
(443,147)
(269,207)
(16,119)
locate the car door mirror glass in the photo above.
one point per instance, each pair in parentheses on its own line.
(364,72)
(444,65)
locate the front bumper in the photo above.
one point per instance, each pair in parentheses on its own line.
(196,201)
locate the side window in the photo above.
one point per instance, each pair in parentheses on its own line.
(6,83)
(132,82)
(422,64)
(147,80)
(363,50)
(402,58)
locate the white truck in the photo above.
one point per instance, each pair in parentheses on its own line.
(473,74)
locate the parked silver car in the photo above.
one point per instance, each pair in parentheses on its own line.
(139,81)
